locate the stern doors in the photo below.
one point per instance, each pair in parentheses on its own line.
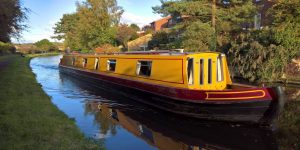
(206,72)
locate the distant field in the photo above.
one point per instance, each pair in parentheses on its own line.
(25,48)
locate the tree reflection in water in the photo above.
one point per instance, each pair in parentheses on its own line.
(166,131)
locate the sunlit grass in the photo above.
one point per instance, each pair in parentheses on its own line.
(28,119)
(42,54)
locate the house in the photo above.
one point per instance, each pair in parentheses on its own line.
(160,24)
(262,18)
(166,22)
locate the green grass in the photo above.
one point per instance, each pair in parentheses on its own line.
(28,119)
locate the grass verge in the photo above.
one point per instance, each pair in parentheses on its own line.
(42,54)
(28,119)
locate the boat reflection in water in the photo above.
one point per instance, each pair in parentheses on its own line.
(168,131)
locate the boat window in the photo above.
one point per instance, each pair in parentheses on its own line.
(220,76)
(209,69)
(96,63)
(111,65)
(73,61)
(144,68)
(190,71)
(201,69)
(84,62)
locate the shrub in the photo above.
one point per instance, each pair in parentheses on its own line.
(258,55)
(107,48)
(7,48)
(53,48)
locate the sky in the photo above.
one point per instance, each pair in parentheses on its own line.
(45,13)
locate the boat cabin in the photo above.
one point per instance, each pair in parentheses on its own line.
(199,71)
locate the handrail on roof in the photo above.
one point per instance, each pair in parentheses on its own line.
(160,52)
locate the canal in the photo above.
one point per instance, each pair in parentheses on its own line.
(117,122)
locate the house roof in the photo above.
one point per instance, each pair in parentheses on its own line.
(165,18)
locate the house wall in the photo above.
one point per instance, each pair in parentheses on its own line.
(160,24)
(262,19)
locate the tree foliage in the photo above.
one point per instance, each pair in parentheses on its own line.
(199,37)
(93,24)
(264,54)
(135,27)
(66,29)
(197,28)
(6,48)
(12,17)
(126,33)
(253,54)
(160,40)
(45,45)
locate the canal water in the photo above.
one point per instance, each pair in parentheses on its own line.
(117,122)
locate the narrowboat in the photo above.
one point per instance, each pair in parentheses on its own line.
(193,84)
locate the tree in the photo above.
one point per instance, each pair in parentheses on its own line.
(94,24)
(124,34)
(97,22)
(148,29)
(227,20)
(286,25)
(198,37)
(66,29)
(160,40)
(45,45)
(264,54)
(135,27)
(12,17)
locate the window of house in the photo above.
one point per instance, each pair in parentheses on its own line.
(209,69)
(144,68)
(226,2)
(257,21)
(220,76)
(190,71)
(111,65)
(201,73)
(84,62)
(96,63)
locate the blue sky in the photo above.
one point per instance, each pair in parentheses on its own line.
(45,13)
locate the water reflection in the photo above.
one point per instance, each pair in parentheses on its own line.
(122,123)
(168,131)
